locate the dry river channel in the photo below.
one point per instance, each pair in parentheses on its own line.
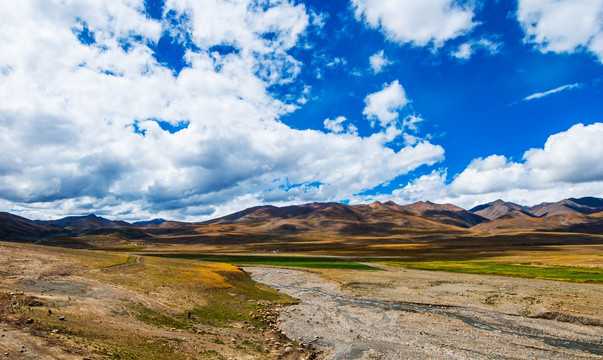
(371,327)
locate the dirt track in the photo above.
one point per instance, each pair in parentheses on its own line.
(375,315)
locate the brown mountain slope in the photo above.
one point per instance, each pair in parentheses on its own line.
(561,223)
(333,219)
(17,228)
(82,224)
(588,205)
(444,213)
(500,208)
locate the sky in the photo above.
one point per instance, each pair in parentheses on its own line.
(193,109)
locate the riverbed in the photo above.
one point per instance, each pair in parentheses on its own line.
(364,315)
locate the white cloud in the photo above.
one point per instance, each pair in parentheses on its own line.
(563,26)
(417,22)
(411,121)
(378,62)
(573,156)
(384,105)
(468,49)
(335,124)
(569,165)
(550,92)
(72,116)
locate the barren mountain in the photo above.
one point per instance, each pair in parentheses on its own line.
(500,208)
(515,221)
(80,223)
(586,205)
(17,228)
(306,225)
(444,213)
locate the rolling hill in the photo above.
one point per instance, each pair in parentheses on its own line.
(315,226)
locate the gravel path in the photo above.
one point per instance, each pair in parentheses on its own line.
(352,328)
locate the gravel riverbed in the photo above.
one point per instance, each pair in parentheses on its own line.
(374,323)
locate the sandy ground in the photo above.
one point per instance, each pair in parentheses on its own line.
(400,314)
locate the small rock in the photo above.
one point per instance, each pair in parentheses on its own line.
(62,318)
(55,331)
(29,321)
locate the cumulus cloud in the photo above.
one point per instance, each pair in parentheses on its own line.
(468,49)
(563,26)
(385,104)
(550,92)
(378,62)
(336,126)
(417,22)
(84,103)
(567,165)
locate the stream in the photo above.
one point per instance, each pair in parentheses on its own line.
(592,348)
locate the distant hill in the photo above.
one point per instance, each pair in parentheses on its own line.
(568,215)
(587,205)
(340,219)
(445,214)
(17,228)
(500,208)
(300,225)
(83,223)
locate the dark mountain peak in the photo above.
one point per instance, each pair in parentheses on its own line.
(153,222)
(17,228)
(588,201)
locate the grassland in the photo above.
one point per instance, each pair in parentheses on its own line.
(526,270)
(312,262)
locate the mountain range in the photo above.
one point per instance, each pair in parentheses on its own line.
(312,222)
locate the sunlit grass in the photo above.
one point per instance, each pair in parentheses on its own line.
(274,260)
(527,270)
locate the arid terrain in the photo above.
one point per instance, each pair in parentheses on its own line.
(314,281)
(73,304)
(411,314)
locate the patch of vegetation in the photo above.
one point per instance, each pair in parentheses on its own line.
(129,260)
(311,262)
(155,318)
(527,270)
(238,303)
(140,348)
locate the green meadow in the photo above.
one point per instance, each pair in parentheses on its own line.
(527,270)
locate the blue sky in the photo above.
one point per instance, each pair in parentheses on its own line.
(193,109)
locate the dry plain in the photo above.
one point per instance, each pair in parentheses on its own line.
(124,305)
